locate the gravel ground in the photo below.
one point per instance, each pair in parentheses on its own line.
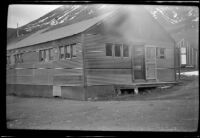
(173,109)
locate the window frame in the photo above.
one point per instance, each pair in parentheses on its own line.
(51,55)
(42,56)
(158,53)
(120,50)
(60,53)
(18,58)
(183,54)
(45,56)
(112,53)
(65,49)
(71,48)
(123,51)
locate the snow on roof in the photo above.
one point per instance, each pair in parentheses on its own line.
(62,32)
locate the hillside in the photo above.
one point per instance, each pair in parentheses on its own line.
(180,22)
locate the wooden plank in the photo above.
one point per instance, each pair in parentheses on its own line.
(73,79)
(165,75)
(102,79)
(115,71)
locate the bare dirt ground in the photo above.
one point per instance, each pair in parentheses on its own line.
(173,109)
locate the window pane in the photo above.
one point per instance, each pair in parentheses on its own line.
(183,50)
(74,47)
(51,54)
(117,50)
(183,59)
(21,58)
(125,51)
(46,55)
(16,58)
(42,55)
(67,52)
(162,51)
(108,49)
(62,52)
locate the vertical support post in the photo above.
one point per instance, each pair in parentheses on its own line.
(84,68)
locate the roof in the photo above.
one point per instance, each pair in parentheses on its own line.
(62,32)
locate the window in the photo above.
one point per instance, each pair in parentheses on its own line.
(62,53)
(160,53)
(117,50)
(125,51)
(42,55)
(51,54)
(74,47)
(183,55)
(68,52)
(46,55)
(18,58)
(108,49)
(21,58)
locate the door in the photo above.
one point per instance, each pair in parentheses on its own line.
(150,62)
(138,66)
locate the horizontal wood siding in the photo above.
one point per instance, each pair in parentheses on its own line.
(168,62)
(165,75)
(58,72)
(165,67)
(68,79)
(95,54)
(101,69)
(104,70)
(102,79)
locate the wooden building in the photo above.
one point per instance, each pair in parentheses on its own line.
(125,48)
(188,54)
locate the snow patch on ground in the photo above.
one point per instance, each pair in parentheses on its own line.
(195,73)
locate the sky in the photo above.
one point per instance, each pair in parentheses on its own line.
(23,14)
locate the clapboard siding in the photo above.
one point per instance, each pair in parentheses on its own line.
(102,69)
(32,71)
(67,79)
(95,54)
(23,65)
(21,72)
(67,71)
(108,71)
(165,75)
(103,79)
(168,62)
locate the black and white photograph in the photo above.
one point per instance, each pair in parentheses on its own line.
(102,67)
